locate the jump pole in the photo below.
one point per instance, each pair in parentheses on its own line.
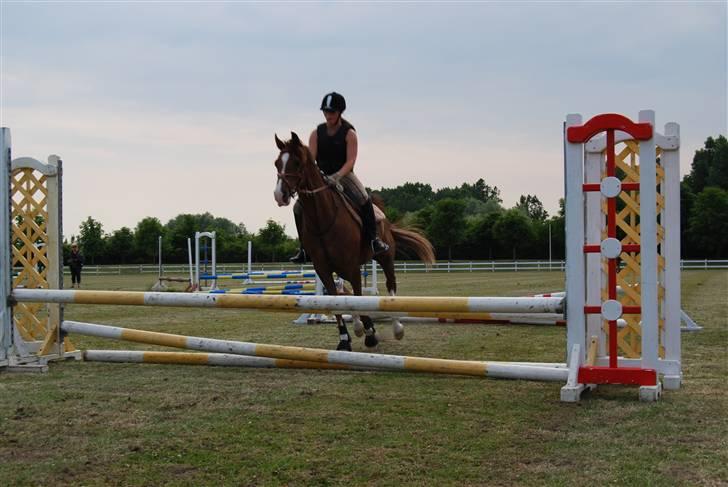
(190,358)
(392,305)
(356,359)
(229,360)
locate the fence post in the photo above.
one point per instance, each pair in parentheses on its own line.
(706,264)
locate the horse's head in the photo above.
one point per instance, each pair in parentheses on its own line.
(290,166)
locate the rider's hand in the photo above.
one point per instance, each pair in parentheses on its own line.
(333,181)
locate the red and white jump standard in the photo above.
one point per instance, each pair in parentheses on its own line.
(592,239)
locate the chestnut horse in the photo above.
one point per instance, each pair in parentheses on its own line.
(332,236)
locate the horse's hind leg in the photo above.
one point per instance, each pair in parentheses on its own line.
(344,338)
(370,338)
(387,263)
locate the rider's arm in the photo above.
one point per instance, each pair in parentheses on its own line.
(352,146)
(313,144)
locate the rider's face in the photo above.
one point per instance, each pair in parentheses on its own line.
(332,118)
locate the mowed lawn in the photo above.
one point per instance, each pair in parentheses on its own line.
(143,424)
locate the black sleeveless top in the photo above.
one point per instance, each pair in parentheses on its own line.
(331,149)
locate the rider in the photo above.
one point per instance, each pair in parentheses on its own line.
(334,145)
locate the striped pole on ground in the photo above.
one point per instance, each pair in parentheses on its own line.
(191,358)
(392,305)
(356,359)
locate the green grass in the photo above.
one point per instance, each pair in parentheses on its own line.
(126,424)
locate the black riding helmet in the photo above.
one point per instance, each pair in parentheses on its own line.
(333,102)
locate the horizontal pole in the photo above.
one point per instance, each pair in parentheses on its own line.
(338,304)
(356,359)
(194,358)
(492,318)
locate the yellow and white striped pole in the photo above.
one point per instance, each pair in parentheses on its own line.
(392,305)
(192,358)
(355,359)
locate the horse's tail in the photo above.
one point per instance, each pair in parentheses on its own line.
(409,239)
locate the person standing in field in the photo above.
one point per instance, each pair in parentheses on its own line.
(75,264)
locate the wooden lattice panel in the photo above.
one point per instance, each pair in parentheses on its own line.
(629,339)
(29,232)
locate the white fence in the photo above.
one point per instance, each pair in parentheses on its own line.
(401,266)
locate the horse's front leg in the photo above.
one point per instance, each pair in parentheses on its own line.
(370,339)
(344,338)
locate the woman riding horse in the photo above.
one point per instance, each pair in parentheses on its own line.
(336,239)
(335,145)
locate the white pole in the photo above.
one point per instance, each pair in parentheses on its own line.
(250,259)
(575,269)
(648,246)
(374,285)
(161,271)
(197,261)
(214,260)
(189,259)
(549,246)
(671,251)
(6,264)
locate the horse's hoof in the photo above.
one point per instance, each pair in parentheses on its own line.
(371,341)
(358,327)
(344,345)
(398,330)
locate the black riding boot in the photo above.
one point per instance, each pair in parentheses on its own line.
(369,224)
(300,257)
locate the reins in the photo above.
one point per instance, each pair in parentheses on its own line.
(300,175)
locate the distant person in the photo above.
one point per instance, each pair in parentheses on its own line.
(334,145)
(75,264)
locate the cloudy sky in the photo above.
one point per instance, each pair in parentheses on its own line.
(163,108)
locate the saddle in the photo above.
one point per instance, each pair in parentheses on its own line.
(351,207)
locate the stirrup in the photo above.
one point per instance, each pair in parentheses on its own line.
(299,258)
(378,246)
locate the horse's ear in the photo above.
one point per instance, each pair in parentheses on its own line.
(280,143)
(295,140)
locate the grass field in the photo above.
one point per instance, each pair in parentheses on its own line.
(127,424)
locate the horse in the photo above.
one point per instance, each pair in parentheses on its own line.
(331,234)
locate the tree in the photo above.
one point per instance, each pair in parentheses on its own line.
(407,197)
(146,238)
(479,241)
(532,207)
(120,246)
(514,230)
(710,166)
(484,192)
(708,223)
(447,224)
(270,241)
(91,237)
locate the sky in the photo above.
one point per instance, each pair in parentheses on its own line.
(165,108)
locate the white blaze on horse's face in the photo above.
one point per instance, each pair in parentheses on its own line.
(282,198)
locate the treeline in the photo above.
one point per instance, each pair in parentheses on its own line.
(465,222)
(704,203)
(140,245)
(470,222)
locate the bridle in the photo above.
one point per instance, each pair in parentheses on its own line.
(293,189)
